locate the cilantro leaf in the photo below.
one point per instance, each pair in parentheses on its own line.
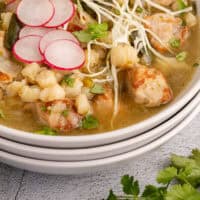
(139,9)
(90,122)
(130,186)
(83,36)
(175,43)
(181,56)
(97,89)
(47,131)
(167,175)
(181,4)
(181,161)
(94,31)
(182,192)
(181,181)
(68,80)
(152,192)
(196,156)
(112,196)
(189,168)
(65,113)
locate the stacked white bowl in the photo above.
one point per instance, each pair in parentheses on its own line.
(81,154)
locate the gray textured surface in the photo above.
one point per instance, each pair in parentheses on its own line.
(16,184)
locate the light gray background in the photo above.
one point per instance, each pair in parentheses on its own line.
(16,184)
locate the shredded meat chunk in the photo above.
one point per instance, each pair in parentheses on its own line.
(60,115)
(149,87)
(166,27)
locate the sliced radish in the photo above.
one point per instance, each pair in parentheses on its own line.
(26,49)
(64,11)
(56,35)
(28,30)
(35,12)
(64,55)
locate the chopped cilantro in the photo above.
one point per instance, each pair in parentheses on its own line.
(152,192)
(112,196)
(181,56)
(94,31)
(175,43)
(167,175)
(65,113)
(68,80)
(182,192)
(44,108)
(47,131)
(139,9)
(130,186)
(181,4)
(97,89)
(90,122)
(116,11)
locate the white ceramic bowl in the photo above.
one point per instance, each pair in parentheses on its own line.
(103,151)
(108,137)
(53,167)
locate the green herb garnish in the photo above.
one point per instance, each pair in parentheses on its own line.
(180,181)
(68,80)
(175,43)
(43,108)
(90,122)
(65,113)
(47,131)
(181,4)
(130,186)
(94,31)
(139,10)
(97,89)
(181,56)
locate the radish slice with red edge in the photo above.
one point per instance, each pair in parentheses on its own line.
(64,55)
(56,35)
(35,12)
(26,49)
(64,11)
(28,30)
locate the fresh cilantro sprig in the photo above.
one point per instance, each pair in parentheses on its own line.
(181,4)
(47,131)
(68,80)
(90,122)
(94,31)
(179,181)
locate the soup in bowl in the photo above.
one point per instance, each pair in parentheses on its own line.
(95,66)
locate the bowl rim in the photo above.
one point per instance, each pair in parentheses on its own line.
(80,167)
(36,152)
(192,88)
